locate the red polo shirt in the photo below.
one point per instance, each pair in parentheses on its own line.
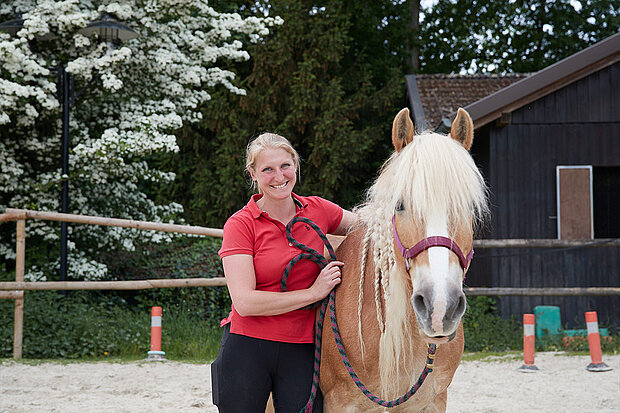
(251,231)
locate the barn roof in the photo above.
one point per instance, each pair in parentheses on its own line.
(441,95)
(428,96)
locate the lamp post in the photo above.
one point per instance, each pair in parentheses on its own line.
(112,33)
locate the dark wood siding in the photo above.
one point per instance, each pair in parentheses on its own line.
(576,125)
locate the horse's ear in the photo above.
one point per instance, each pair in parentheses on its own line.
(462,129)
(402,130)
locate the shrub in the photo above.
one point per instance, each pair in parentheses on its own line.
(72,325)
(485,330)
(185,257)
(85,324)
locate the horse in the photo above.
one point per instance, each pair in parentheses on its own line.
(389,308)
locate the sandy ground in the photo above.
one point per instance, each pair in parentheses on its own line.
(561,385)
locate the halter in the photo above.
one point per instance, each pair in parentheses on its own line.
(426,243)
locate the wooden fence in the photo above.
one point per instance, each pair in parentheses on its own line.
(15,290)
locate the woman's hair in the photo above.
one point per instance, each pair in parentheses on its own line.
(268,141)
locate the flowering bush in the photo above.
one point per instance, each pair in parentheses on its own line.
(134,99)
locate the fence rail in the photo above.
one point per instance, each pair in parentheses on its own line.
(12,214)
(538,292)
(546,243)
(114,285)
(15,290)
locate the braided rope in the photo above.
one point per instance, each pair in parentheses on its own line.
(321,261)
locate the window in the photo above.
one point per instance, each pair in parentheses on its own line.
(606,197)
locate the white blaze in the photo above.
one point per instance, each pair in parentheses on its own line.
(439,261)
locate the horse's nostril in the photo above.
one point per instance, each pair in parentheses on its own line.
(461,305)
(419,304)
(458,309)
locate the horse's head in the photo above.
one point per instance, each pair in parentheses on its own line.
(434,197)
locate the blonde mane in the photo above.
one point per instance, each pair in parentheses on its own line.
(433,173)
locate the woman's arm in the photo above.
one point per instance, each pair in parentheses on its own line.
(348,220)
(248,301)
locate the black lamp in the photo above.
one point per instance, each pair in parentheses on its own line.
(109,30)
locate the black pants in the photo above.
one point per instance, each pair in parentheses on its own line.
(247,369)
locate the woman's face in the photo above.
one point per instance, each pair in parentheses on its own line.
(275,173)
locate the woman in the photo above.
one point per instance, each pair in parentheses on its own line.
(267,345)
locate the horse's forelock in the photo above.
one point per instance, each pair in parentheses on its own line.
(432,174)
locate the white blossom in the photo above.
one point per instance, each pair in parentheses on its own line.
(132,99)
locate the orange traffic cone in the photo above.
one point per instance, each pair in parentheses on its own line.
(156,354)
(594,341)
(529,344)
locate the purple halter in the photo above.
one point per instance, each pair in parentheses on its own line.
(426,243)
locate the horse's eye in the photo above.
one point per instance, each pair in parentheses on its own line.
(400,207)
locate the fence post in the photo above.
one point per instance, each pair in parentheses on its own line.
(20,258)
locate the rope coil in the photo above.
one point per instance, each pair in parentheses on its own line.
(321,261)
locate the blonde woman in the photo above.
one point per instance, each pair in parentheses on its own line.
(267,346)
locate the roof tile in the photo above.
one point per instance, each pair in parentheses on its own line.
(441,95)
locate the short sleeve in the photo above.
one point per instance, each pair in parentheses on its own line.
(333,213)
(238,238)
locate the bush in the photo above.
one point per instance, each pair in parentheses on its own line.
(72,326)
(185,257)
(485,330)
(85,324)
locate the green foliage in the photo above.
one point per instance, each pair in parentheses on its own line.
(510,36)
(330,79)
(86,325)
(72,326)
(485,330)
(577,343)
(185,257)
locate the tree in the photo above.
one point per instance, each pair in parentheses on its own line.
(145,91)
(511,36)
(414,48)
(330,79)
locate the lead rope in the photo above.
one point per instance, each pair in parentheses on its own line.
(321,261)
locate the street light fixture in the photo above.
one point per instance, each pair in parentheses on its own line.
(109,31)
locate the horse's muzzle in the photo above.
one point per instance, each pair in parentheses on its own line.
(439,320)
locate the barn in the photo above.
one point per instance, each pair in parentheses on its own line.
(548,144)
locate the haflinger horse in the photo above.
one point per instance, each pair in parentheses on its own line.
(392,303)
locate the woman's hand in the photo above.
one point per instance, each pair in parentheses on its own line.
(328,278)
